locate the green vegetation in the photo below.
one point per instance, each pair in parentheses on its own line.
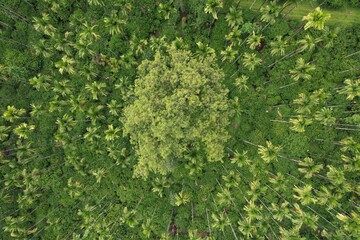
(143,119)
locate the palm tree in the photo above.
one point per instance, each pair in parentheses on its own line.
(302,70)
(316,19)
(351,89)
(99,174)
(159,184)
(308,43)
(212,6)
(234,36)
(278,46)
(23,130)
(270,12)
(232,179)
(3,133)
(111,133)
(304,195)
(298,125)
(309,168)
(165,9)
(328,199)
(302,217)
(325,116)
(224,197)
(253,211)
(40,82)
(182,198)
(12,113)
(88,34)
(203,51)
(280,212)
(66,64)
(247,227)
(234,17)
(228,54)
(240,83)
(254,40)
(114,23)
(194,166)
(220,221)
(240,159)
(95,2)
(96,89)
(91,134)
(251,60)
(62,87)
(43,25)
(269,153)
(328,36)
(42,48)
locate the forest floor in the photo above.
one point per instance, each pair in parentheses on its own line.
(344,16)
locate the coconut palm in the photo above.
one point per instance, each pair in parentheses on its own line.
(228,54)
(203,51)
(280,212)
(114,23)
(111,133)
(298,124)
(247,228)
(159,184)
(96,89)
(194,166)
(279,46)
(43,25)
(220,221)
(224,197)
(270,12)
(301,217)
(23,130)
(234,17)
(269,153)
(302,70)
(182,198)
(212,6)
(328,36)
(309,168)
(62,87)
(316,19)
(95,2)
(66,64)
(231,179)
(304,194)
(234,36)
(250,60)
(351,89)
(328,198)
(254,40)
(325,116)
(240,83)
(12,113)
(165,9)
(307,43)
(42,48)
(91,134)
(40,82)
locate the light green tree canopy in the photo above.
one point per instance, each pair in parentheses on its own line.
(180,108)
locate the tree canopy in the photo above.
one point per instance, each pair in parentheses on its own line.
(179,109)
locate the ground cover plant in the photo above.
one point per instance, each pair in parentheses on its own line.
(139,119)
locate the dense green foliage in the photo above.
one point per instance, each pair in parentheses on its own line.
(180,111)
(96,93)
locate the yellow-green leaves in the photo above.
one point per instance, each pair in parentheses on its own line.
(316,19)
(179,107)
